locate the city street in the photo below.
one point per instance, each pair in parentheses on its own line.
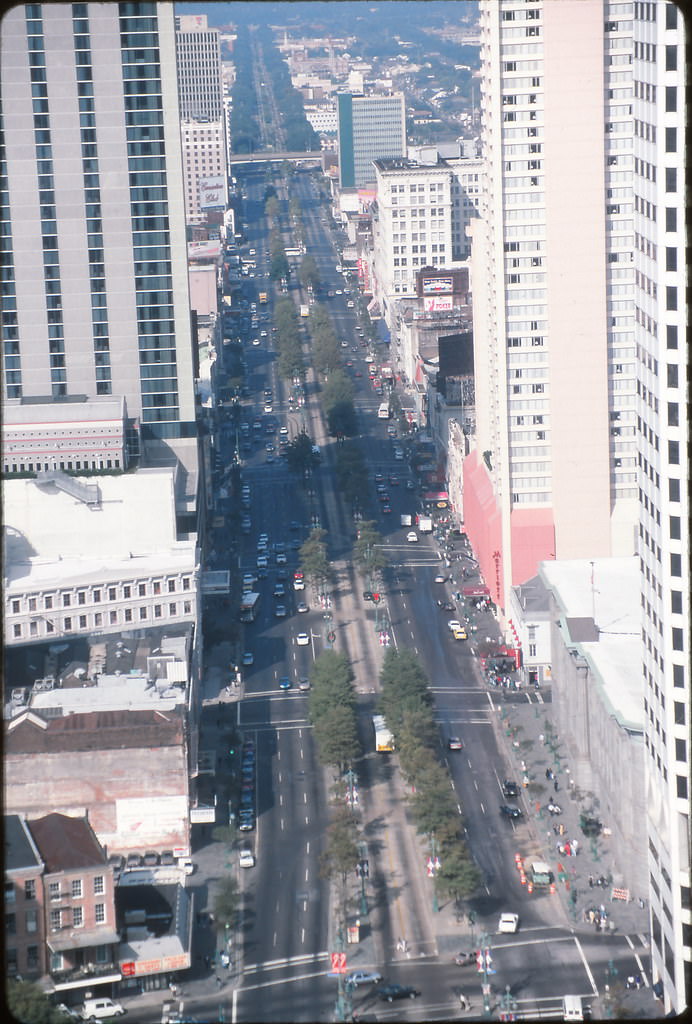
(281,952)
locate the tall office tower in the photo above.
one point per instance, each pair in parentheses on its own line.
(554,470)
(369,128)
(199,68)
(664,548)
(96,299)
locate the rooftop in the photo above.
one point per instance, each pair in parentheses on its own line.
(20,849)
(599,603)
(30,733)
(66,843)
(49,532)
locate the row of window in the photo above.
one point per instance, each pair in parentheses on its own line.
(98,620)
(75,917)
(94,595)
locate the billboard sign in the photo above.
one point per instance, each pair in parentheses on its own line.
(437,285)
(434,303)
(212,193)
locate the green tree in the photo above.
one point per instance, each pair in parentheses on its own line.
(299,454)
(341,854)
(226,903)
(337,736)
(271,208)
(314,561)
(351,473)
(29,1004)
(368,550)
(457,875)
(308,274)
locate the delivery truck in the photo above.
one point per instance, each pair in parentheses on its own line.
(384,741)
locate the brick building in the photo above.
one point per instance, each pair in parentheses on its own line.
(126,770)
(24,921)
(79,903)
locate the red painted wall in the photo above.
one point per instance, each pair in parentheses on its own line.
(482,523)
(533,541)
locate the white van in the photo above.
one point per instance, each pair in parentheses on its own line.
(101,1009)
(572,1008)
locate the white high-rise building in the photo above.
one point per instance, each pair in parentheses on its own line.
(660,328)
(553,282)
(199,68)
(96,301)
(204,168)
(579,288)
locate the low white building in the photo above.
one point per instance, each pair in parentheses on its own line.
(598,701)
(68,435)
(98,555)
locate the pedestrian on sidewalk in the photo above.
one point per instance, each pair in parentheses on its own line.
(590,881)
(556,785)
(463,1001)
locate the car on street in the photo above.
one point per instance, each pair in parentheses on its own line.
(510,811)
(357,978)
(298,581)
(464,959)
(303,639)
(248,580)
(412,537)
(279,590)
(453,624)
(248,658)
(440,578)
(509,788)
(285,683)
(280,611)
(392,992)
(508,924)
(303,685)
(246,859)
(454,743)
(460,634)
(246,821)
(302,607)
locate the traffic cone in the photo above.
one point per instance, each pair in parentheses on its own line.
(522,878)
(552,887)
(529,887)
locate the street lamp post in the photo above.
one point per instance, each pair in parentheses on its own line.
(344,1003)
(484,953)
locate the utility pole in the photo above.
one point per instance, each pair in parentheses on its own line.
(344,1002)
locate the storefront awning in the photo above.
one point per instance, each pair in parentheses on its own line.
(374,309)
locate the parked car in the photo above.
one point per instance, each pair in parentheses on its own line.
(101,1009)
(454,743)
(246,859)
(510,789)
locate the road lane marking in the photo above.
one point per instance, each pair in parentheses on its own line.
(594,988)
(282,824)
(301,754)
(281,799)
(307,846)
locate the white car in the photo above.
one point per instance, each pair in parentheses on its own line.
(453,624)
(101,1009)
(303,639)
(350,304)
(246,859)
(508,924)
(412,537)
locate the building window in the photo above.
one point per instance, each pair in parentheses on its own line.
(671,58)
(31,920)
(100,913)
(97,597)
(76,888)
(186,582)
(30,889)
(532,650)
(172,608)
(17,630)
(10,924)
(67,623)
(142,589)
(671,140)
(77,917)
(157,611)
(99,887)
(55,920)
(113,618)
(54,890)
(32,957)
(681,785)
(127,592)
(112,595)
(157,586)
(128,615)
(81,597)
(66,600)
(143,613)
(48,602)
(171,586)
